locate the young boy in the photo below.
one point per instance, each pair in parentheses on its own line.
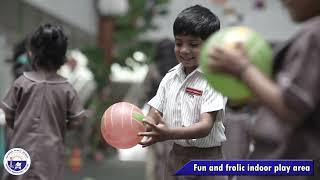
(186,109)
(288,125)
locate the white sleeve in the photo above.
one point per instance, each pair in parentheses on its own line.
(158,100)
(212,100)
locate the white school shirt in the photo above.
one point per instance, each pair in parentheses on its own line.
(182,99)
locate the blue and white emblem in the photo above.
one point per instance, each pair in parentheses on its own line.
(17,161)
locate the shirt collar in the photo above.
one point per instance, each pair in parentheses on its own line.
(36,77)
(179,70)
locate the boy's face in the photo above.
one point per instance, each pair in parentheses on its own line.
(301,10)
(187,50)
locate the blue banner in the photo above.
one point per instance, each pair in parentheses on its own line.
(248,168)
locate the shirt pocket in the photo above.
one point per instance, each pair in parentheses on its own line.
(191,109)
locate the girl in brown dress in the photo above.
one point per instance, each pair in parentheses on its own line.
(41,105)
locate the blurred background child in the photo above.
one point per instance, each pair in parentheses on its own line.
(287,126)
(41,105)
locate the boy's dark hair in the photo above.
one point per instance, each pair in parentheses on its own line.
(197,21)
(48,45)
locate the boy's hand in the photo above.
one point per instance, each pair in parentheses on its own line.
(154,118)
(158,133)
(228,61)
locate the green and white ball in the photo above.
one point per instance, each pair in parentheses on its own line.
(257,49)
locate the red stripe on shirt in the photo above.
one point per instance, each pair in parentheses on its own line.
(194,91)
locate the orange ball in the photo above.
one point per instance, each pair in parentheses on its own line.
(119,128)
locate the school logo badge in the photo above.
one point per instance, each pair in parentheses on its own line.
(16,161)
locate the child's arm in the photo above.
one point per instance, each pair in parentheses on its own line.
(161,132)
(197,130)
(266,90)
(9,115)
(9,104)
(76,115)
(76,122)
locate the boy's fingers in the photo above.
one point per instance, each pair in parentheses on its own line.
(216,53)
(215,62)
(145,140)
(146,143)
(217,50)
(149,134)
(155,116)
(161,120)
(148,128)
(158,113)
(153,126)
(241,48)
(214,56)
(239,45)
